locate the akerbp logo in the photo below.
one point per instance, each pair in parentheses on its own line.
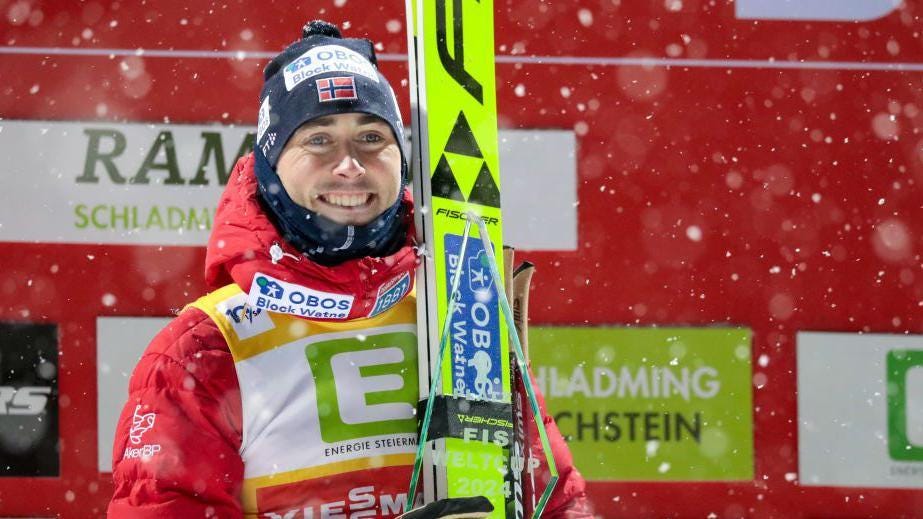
(140,424)
(905,405)
(275,295)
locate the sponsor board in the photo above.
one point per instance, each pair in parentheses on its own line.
(819,10)
(29,400)
(860,410)
(650,404)
(160,184)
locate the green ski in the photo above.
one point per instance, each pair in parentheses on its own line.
(456,170)
(473,392)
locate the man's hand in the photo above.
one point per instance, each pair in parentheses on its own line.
(453,508)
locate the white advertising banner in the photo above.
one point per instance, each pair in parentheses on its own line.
(860,410)
(159,184)
(825,10)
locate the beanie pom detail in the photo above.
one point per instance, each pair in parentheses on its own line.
(320,28)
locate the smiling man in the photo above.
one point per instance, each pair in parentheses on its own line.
(363,157)
(290,390)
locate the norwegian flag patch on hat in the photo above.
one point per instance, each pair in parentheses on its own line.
(336,89)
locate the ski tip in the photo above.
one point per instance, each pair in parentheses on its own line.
(524,266)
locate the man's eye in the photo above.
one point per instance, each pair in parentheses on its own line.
(372,138)
(317,140)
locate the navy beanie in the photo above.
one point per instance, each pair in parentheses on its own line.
(322,74)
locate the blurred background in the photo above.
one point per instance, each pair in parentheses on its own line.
(722,199)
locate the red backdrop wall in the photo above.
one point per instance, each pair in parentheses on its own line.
(780,196)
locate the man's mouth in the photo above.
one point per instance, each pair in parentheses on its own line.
(347,200)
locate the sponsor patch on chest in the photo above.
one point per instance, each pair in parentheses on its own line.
(246,320)
(390,293)
(274,295)
(141,423)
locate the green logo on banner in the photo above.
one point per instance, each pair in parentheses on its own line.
(365,387)
(905,405)
(650,404)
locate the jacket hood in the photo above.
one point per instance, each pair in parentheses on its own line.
(244,243)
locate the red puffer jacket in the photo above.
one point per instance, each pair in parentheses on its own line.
(176,451)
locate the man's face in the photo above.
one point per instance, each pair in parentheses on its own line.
(346,167)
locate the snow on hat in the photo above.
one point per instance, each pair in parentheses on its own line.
(318,75)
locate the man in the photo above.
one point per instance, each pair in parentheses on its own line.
(289,391)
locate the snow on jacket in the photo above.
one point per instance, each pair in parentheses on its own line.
(183,438)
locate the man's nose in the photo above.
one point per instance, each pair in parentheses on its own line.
(349,167)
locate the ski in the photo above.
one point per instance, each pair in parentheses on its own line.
(522,478)
(466,416)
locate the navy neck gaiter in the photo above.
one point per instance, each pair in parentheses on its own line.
(321,239)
